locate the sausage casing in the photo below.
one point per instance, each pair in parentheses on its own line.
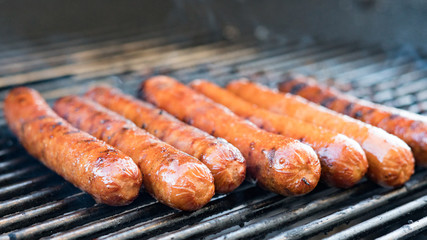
(342,159)
(390,159)
(408,126)
(91,165)
(171,176)
(277,163)
(226,163)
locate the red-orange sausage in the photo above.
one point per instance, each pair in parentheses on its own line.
(390,160)
(279,164)
(91,165)
(226,163)
(343,160)
(410,127)
(171,176)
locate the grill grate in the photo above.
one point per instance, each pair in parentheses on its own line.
(36,203)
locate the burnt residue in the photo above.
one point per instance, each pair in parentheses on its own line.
(305,181)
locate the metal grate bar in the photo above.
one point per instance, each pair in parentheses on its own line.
(26,201)
(84,53)
(381,220)
(407,231)
(24,186)
(352,211)
(19,174)
(123,59)
(173,220)
(45,211)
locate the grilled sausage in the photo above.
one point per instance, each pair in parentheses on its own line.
(91,165)
(277,163)
(390,160)
(410,127)
(171,176)
(226,163)
(342,159)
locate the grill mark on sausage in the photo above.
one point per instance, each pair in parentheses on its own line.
(358,114)
(71,132)
(326,101)
(348,108)
(393,116)
(55,125)
(298,87)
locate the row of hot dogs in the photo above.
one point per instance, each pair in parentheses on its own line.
(108,143)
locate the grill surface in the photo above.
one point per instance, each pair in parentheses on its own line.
(36,203)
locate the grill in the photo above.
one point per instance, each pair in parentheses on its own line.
(36,203)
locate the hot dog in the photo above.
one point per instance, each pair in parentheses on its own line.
(390,160)
(91,165)
(226,163)
(342,159)
(277,163)
(171,176)
(410,127)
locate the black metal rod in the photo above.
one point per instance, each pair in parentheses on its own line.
(48,210)
(381,220)
(277,221)
(352,211)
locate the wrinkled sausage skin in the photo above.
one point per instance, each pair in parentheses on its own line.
(342,159)
(279,164)
(226,163)
(105,173)
(408,126)
(171,176)
(390,160)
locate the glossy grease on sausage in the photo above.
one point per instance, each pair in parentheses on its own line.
(226,163)
(342,159)
(408,126)
(89,164)
(171,176)
(277,163)
(390,160)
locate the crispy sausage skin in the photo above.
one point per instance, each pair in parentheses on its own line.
(277,163)
(171,176)
(91,165)
(390,160)
(226,163)
(342,159)
(410,127)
